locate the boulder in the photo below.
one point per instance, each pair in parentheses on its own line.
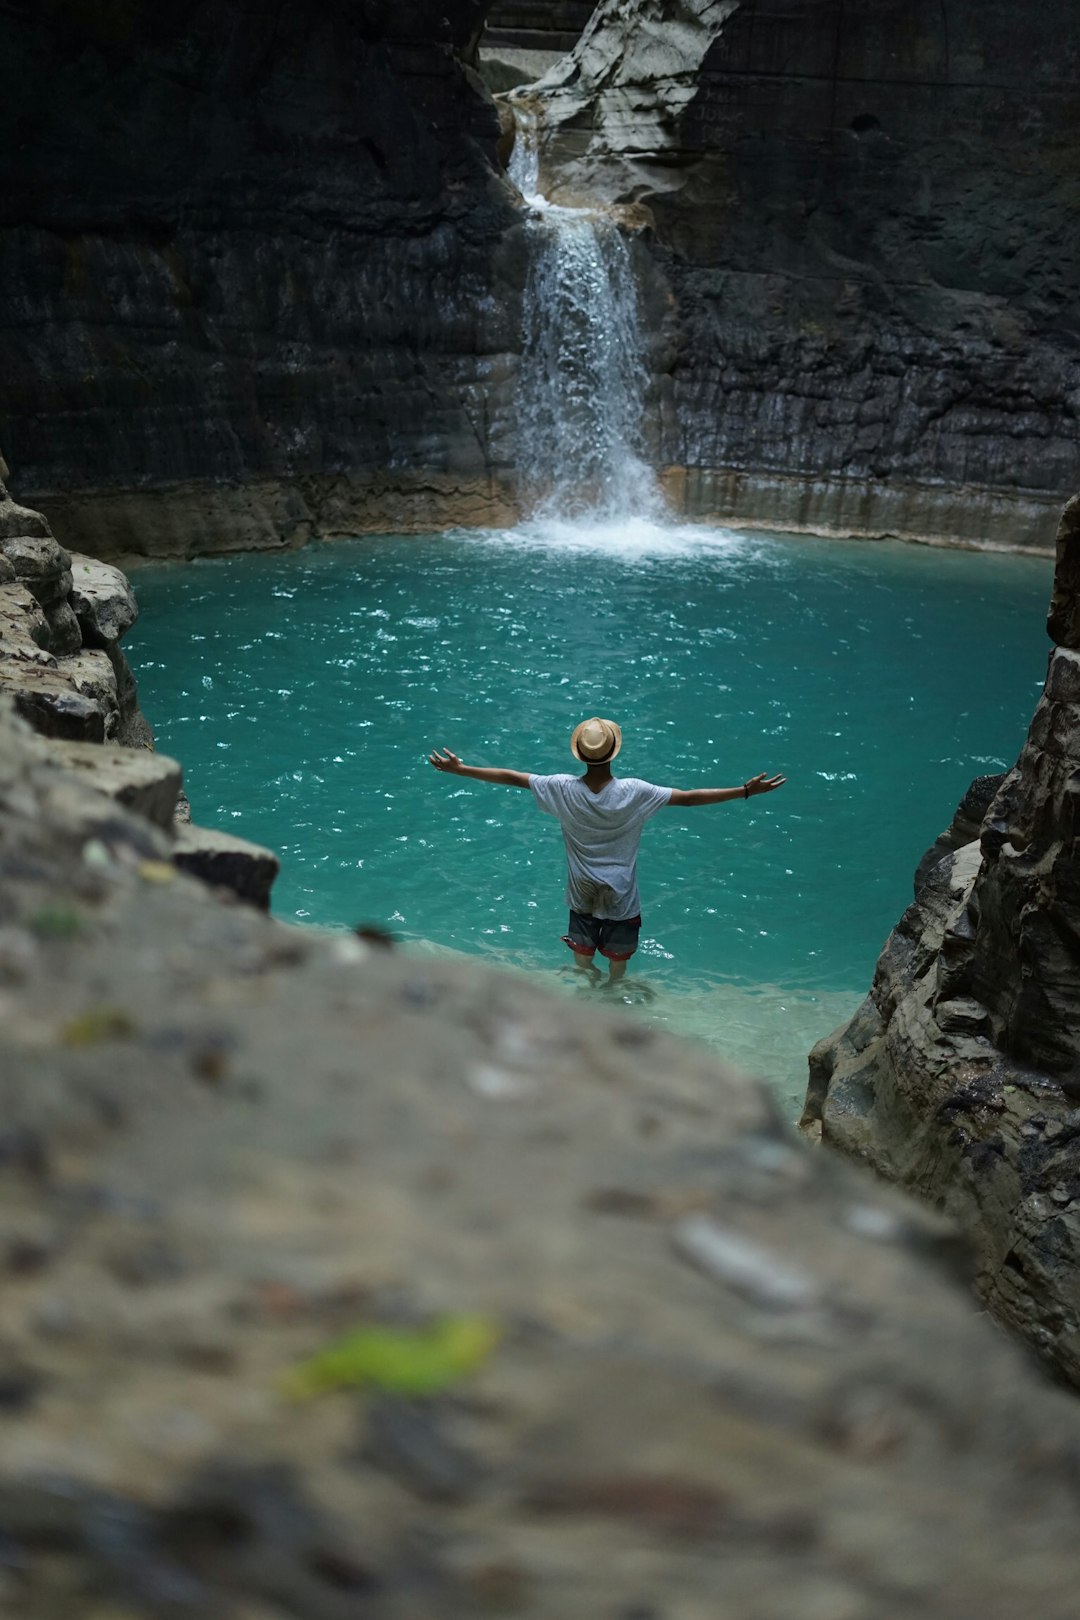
(143,782)
(40,563)
(24,629)
(64,634)
(103,600)
(92,674)
(47,699)
(226,862)
(16,520)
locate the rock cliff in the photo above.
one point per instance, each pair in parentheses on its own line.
(250,270)
(260,276)
(63,672)
(960,1075)
(865,215)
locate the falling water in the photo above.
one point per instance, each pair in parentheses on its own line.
(583,369)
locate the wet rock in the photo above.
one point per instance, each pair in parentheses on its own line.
(1063,620)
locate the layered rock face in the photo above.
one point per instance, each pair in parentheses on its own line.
(63,672)
(250,270)
(61,619)
(260,278)
(522,39)
(960,1075)
(341,1284)
(864,212)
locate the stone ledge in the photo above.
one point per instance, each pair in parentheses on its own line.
(190,520)
(226,862)
(865,509)
(144,782)
(213,518)
(48,701)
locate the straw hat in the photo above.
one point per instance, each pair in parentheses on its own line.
(595,741)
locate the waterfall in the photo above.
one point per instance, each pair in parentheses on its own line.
(583,369)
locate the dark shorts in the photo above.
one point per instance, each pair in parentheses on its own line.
(617,940)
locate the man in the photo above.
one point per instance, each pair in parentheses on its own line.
(601,816)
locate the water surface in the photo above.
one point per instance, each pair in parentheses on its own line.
(303,693)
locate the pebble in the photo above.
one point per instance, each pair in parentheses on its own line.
(752,1270)
(489,1081)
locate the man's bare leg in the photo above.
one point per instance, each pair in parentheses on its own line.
(586,966)
(615,971)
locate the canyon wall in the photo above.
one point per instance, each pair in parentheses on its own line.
(250,270)
(260,274)
(865,212)
(959,1077)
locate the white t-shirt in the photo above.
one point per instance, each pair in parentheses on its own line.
(601,832)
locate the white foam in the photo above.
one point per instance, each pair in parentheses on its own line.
(629,538)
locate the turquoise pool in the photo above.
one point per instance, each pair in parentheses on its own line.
(303,693)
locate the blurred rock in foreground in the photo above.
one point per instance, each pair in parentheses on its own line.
(720,1376)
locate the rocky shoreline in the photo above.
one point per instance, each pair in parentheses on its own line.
(180,523)
(959,1077)
(63,673)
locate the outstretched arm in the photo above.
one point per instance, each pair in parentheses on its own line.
(444,760)
(748,790)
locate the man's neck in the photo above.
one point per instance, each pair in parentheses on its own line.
(597,775)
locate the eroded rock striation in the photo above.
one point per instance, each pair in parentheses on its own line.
(61,619)
(262,276)
(960,1075)
(719,1375)
(252,271)
(62,671)
(864,215)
